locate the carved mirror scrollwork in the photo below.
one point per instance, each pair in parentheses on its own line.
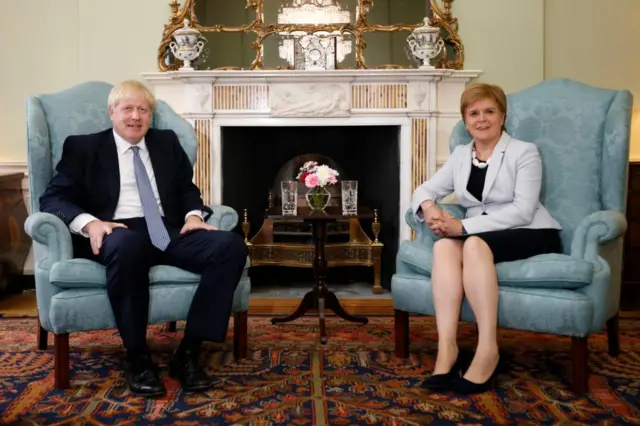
(267,34)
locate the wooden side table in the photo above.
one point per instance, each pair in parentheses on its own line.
(320,298)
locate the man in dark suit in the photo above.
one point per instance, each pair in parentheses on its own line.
(128,197)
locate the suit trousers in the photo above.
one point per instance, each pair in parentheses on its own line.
(218,256)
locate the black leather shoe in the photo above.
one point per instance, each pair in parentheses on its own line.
(463,386)
(442,382)
(187,368)
(142,377)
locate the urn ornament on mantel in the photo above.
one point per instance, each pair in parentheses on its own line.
(425,43)
(186,46)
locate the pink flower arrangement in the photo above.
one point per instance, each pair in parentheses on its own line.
(317,176)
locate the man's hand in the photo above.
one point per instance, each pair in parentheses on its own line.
(97,229)
(195,222)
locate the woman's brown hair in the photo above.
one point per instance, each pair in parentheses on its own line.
(480,91)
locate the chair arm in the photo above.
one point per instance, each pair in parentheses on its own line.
(50,231)
(423,232)
(598,228)
(224,218)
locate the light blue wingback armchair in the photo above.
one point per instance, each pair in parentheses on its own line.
(71,293)
(582,133)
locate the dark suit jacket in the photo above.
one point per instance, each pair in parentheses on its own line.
(88,178)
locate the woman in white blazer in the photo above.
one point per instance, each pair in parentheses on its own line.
(498,179)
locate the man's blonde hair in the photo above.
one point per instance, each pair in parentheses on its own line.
(128,88)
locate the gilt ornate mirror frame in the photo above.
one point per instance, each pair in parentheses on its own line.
(441,17)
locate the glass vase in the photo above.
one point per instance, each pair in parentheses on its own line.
(318,198)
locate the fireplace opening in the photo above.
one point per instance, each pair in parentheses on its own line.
(253,157)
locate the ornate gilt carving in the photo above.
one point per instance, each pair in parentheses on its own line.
(440,17)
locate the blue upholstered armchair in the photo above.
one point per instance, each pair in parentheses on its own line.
(582,133)
(71,293)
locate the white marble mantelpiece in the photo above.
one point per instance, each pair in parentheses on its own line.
(424,104)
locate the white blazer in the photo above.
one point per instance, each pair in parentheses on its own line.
(511,189)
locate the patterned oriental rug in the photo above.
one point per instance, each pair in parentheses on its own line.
(290,379)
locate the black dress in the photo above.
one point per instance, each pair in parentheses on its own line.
(511,244)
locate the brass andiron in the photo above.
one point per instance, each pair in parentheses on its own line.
(375,227)
(376,248)
(246,227)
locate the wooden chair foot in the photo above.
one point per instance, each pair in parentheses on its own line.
(402,333)
(613,336)
(43,336)
(171,326)
(240,334)
(580,366)
(61,361)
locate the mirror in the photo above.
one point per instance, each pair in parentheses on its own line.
(272,34)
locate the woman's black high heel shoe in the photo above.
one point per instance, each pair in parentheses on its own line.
(442,382)
(467,387)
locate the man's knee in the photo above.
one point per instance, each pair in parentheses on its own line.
(235,245)
(125,245)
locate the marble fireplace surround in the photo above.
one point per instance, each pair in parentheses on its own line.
(424,104)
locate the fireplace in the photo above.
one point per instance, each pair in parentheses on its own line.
(253,156)
(412,110)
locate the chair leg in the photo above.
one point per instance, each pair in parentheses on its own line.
(43,336)
(613,336)
(402,333)
(580,367)
(61,361)
(171,326)
(240,334)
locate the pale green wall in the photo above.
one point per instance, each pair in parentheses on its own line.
(51,45)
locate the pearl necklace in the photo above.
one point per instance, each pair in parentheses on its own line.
(479,164)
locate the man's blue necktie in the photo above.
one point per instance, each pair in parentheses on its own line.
(157,231)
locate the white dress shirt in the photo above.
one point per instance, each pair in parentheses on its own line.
(129,204)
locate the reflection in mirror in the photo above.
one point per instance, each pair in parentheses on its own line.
(229,49)
(256,34)
(308,12)
(385,49)
(228,13)
(314,12)
(390,12)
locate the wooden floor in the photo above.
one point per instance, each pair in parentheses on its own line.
(353,306)
(25,304)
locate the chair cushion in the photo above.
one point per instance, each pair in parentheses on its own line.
(557,311)
(542,271)
(84,309)
(84,273)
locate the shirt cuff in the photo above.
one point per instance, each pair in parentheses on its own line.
(80,222)
(193,213)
